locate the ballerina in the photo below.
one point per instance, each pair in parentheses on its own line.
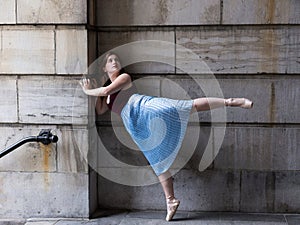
(137,111)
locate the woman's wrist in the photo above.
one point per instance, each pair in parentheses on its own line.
(95,92)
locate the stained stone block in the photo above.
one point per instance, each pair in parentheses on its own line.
(8,99)
(29,157)
(237,50)
(46,195)
(7,12)
(27,52)
(72,153)
(133,50)
(145,12)
(51,11)
(258,148)
(49,100)
(261,12)
(71,51)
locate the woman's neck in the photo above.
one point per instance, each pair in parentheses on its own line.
(113,76)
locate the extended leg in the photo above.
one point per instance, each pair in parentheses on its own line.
(204,104)
(166,181)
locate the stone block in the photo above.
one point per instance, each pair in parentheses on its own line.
(7,12)
(293,219)
(207,191)
(71,51)
(258,148)
(273,107)
(257,191)
(46,195)
(287,192)
(236,50)
(72,149)
(27,52)
(143,13)
(120,147)
(68,155)
(8,99)
(261,12)
(283,107)
(49,100)
(142,198)
(52,12)
(30,157)
(270,191)
(130,45)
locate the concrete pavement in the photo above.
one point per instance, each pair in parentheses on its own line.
(157,218)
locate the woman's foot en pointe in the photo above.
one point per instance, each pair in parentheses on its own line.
(172,205)
(239,102)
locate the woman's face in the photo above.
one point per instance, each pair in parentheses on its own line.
(112,65)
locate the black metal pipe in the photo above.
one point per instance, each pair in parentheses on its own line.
(45,137)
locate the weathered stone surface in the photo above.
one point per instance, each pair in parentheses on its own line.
(27,51)
(125,43)
(208,190)
(270,191)
(257,191)
(239,50)
(8,99)
(193,189)
(72,150)
(71,51)
(287,191)
(258,148)
(137,12)
(43,195)
(50,100)
(7,12)
(134,196)
(52,11)
(29,157)
(261,12)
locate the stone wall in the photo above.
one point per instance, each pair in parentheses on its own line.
(43,53)
(252,47)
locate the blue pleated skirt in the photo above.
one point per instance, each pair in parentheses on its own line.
(157,126)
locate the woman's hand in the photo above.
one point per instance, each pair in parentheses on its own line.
(85,84)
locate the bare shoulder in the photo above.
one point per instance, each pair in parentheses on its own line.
(126,76)
(127,79)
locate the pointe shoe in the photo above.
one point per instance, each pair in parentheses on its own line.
(239,102)
(172,206)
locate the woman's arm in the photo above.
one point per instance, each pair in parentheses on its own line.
(121,82)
